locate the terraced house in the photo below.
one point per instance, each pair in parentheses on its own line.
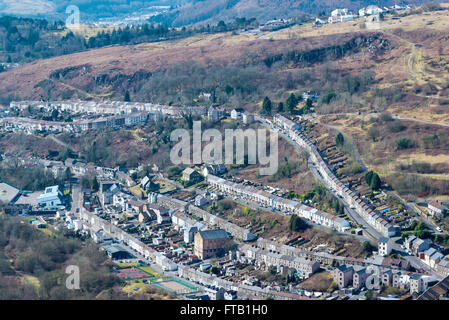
(267,199)
(372,217)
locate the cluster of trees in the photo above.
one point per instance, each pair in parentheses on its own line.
(25,40)
(225,205)
(33,179)
(413,184)
(140,34)
(424,167)
(290,105)
(287,169)
(373,180)
(319,194)
(336,205)
(442,239)
(419,229)
(88,182)
(35,253)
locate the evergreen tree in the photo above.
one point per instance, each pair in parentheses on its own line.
(375,182)
(291,103)
(95,186)
(280,107)
(368,177)
(127,96)
(339,140)
(266,106)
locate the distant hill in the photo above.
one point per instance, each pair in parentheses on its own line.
(186,12)
(212,11)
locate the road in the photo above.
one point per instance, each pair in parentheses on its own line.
(55,139)
(422,121)
(368,230)
(408,206)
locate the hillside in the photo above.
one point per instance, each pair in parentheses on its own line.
(184,12)
(403,54)
(212,11)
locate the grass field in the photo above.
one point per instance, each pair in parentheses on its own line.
(318,282)
(126,264)
(134,286)
(46,231)
(149,271)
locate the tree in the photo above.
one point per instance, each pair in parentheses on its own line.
(297,224)
(127,97)
(375,182)
(54,114)
(67,174)
(68,153)
(95,186)
(339,140)
(266,106)
(280,107)
(307,106)
(85,182)
(373,133)
(368,177)
(366,246)
(291,103)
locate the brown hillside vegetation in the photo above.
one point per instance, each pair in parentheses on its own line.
(42,78)
(408,55)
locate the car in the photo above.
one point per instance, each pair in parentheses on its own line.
(439,229)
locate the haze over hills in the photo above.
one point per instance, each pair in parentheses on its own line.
(180,13)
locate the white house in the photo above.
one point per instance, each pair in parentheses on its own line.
(339,12)
(52,198)
(370,10)
(436,208)
(384,246)
(237,113)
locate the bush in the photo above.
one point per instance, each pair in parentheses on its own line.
(367,247)
(396,126)
(404,143)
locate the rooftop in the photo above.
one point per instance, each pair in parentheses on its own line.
(7,192)
(213,234)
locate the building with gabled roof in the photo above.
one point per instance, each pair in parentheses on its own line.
(210,243)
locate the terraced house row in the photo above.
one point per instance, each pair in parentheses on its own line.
(94,223)
(371,216)
(108,107)
(269,200)
(242,289)
(208,218)
(304,266)
(113,122)
(323,258)
(298,258)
